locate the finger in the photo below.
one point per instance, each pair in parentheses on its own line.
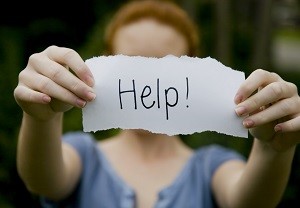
(25,94)
(268,95)
(59,106)
(72,59)
(279,110)
(257,79)
(63,77)
(47,86)
(289,126)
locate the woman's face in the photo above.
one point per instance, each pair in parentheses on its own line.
(150,38)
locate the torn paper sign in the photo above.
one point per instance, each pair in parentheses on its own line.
(168,95)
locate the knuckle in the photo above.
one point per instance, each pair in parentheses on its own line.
(75,86)
(81,69)
(69,53)
(276,89)
(44,85)
(288,106)
(254,103)
(55,73)
(50,48)
(33,58)
(293,87)
(276,76)
(246,88)
(16,92)
(22,75)
(264,73)
(261,72)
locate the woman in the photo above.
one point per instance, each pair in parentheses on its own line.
(137,168)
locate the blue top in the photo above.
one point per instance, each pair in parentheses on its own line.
(101,187)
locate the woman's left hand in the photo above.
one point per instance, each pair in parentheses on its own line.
(271,109)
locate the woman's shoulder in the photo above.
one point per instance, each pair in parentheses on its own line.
(78,135)
(215,149)
(82,142)
(213,155)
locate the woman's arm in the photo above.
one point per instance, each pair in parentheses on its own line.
(47,166)
(45,90)
(258,183)
(272,116)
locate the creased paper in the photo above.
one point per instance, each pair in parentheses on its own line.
(170,95)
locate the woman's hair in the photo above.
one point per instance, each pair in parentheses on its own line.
(165,12)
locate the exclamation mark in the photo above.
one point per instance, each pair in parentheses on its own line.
(187,89)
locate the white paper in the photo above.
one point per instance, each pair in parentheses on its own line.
(168,95)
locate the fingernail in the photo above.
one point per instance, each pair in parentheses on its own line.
(248,123)
(91,96)
(240,110)
(46,99)
(278,128)
(238,98)
(80,103)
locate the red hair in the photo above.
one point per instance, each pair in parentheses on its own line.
(165,12)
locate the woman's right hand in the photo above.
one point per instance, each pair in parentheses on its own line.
(54,81)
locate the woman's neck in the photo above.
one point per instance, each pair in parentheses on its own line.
(151,146)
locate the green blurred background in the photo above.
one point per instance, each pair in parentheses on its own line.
(244,35)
